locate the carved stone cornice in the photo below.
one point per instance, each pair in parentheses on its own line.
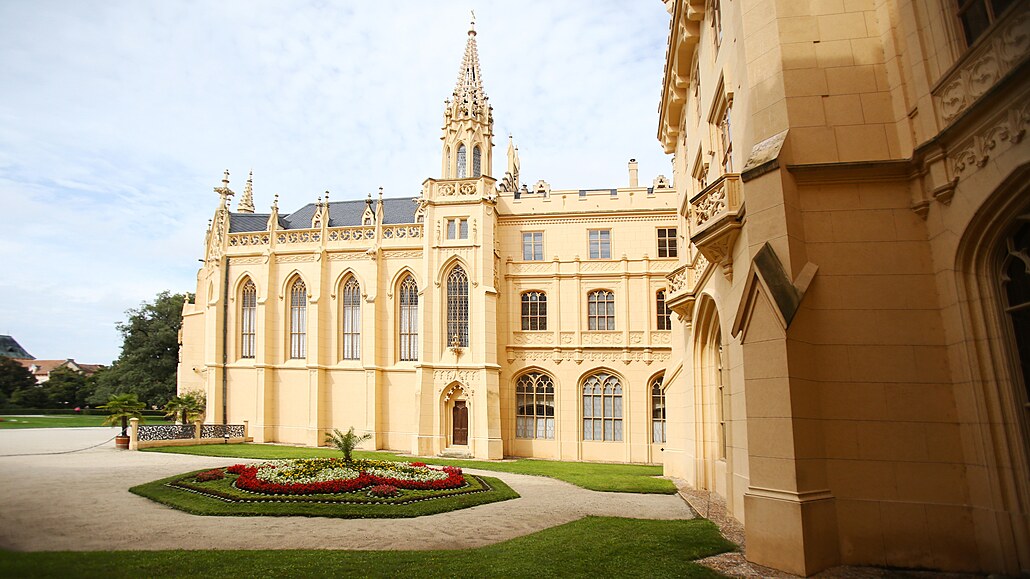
(684,35)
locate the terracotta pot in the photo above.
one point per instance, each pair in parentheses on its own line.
(121,442)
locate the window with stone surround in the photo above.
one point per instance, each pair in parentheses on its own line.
(667,242)
(534,406)
(658,409)
(458,228)
(298,319)
(351,320)
(533,246)
(461,161)
(457,308)
(602,407)
(248,319)
(601,310)
(664,321)
(534,311)
(477,161)
(600,243)
(976,16)
(409,319)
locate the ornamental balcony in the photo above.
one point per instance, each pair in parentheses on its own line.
(683,284)
(715,216)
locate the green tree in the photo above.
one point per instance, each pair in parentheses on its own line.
(67,388)
(346,443)
(189,407)
(14,377)
(31,397)
(150,352)
(120,408)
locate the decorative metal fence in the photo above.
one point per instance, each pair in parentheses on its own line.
(166,431)
(221,430)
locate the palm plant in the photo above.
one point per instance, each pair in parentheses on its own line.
(120,408)
(190,406)
(346,442)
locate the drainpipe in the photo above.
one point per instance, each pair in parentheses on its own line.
(225,343)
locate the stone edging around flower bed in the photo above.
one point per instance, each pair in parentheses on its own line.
(342,500)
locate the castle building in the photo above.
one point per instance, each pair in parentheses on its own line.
(483,318)
(851,337)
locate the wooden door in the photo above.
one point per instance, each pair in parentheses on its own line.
(460,422)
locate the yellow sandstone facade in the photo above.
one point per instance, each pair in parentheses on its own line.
(851,345)
(478,319)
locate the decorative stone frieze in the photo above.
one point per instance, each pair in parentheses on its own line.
(716,217)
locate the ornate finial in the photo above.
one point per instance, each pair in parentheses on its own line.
(369,197)
(225,178)
(380,194)
(275,203)
(246,204)
(224,192)
(327,198)
(472,25)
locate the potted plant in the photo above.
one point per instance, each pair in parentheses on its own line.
(190,406)
(120,408)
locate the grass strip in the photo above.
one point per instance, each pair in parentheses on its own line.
(589,547)
(203,499)
(61,421)
(607,477)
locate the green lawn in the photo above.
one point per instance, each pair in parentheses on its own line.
(590,547)
(624,478)
(491,490)
(61,421)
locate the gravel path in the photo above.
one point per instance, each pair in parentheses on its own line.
(80,502)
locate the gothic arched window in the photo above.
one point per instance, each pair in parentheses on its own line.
(477,161)
(658,410)
(351,320)
(534,406)
(409,319)
(461,161)
(534,311)
(298,319)
(457,308)
(601,310)
(248,319)
(602,407)
(1015,278)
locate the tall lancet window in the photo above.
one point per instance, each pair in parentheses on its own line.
(477,161)
(409,319)
(298,319)
(461,161)
(351,320)
(458,308)
(248,319)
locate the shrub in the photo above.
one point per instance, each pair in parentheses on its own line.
(383,491)
(209,475)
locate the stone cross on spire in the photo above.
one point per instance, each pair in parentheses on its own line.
(224,192)
(469,99)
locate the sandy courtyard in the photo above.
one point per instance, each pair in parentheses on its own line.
(80,502)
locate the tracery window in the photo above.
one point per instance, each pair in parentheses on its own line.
(298,319)
(602,407)
(409,319)
(601,310)
(351,320)
(248,319)
(1015,278)
(477,161)
(664,320)
(457,308)
(461,161)
(534,406)
(658,410)
(534,311)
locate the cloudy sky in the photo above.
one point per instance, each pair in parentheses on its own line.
(118,117)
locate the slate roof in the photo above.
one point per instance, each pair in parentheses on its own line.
(341,214)
(10,348)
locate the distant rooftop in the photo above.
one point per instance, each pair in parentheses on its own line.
(10,348)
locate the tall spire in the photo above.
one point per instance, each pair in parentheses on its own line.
(469,99)
(246,204)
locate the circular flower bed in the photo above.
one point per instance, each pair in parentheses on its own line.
(334,475)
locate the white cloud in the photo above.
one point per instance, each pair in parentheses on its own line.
(117,118)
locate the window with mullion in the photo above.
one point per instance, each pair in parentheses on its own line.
(248,320)
(602,408)
(351,320)
(298,320)
(534,406)
(667,242)
(657,410)
(409,319)
(601,310)
(600,243)
(664,320)
(976,16)
(534,311)
(457,308)
(533,246)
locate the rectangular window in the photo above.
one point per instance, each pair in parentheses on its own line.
(601,310)
(667,242)
(458,228)
(534,311)
(600,243)
(664,321)
(533,246)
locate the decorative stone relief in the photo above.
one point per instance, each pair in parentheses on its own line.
(601,338)
(249,260)
(244,239)
(568,337)
(662,338)
(599,266)
(1009,128)
(532,338)
(535,267)
(403,254)
(636,338)
(302,258)
(348,256)
(463,376)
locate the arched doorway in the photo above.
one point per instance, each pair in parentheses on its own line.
(711,398)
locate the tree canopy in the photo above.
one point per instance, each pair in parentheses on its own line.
(13,377)
(150,353)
